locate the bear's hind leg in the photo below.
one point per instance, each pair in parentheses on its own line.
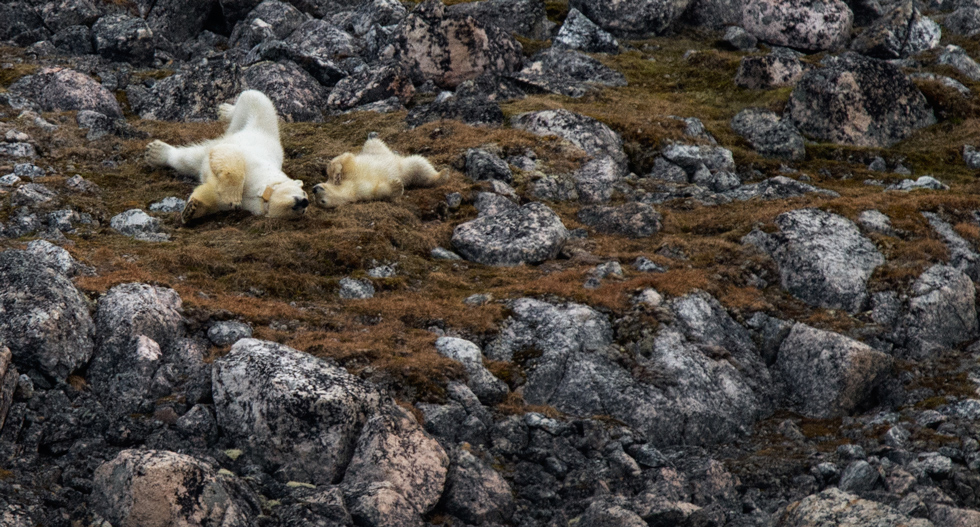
(227,176)
(254,109)
(203,201)
(376,147)
(225,111)
(417,171)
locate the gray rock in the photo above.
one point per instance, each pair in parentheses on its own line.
(943,80)
(876,221)
(138,224)
(530,234)
(356,289)
(372,84)
(664,170)
(372,14)
(440,253)
(62,90)
(397,472)
(605,514)
(596,180)
(961,253)
(193,93)
(178,20)
(293,414)
(769,135)
(691,157)
(592,136)
(440,46)
(157,487)
(769,333)
(483,165)
(526,18)
(567,72)
(475,111)
(488,388)
(44,320)
(964,21)
(858,101)
(740,39)
(809,25)
(897,437)
(54,257)
(941,312)
(636,220)
(296,95)
(923,183)
(829,375)
(22,25)
(28,170)
(859,476)
(123,38)
(578,32)
(851,452)
(59,14)
(958,59)
(31,195)
(9,180)
(268,20)
(835,507)
(17,150)
(79,184)
(645,265)
(383,271)
(228,332)
(971,157)
(823,259)
(168,204)
(316,46)
(489,204)
(718,181)
(554,188)
(632,18)
(877,165)
(475,493)
(714,14)
(900,33)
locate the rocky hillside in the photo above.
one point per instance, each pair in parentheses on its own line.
(699,263)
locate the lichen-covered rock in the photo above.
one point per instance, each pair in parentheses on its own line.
(592,136)
(372,84)
(823,259)
(964,21)
(269,19)
(64,90)
(715,14)
(397,472)
(44,320)
(578,32)
(54,257)
(179,20)
(692,157)
(942,312)
(769,71)
(124,38)
(960,60)
(449,49)
(829,375)
(567,72)
(317,47)
(31,195)
(476,493)
(530,234)
(488,388)
(834,507)
(858,101)
(527,18)
(769,135)
(192,94)
(811,25)
(157,488)
(636,220)
(962,254)
(483,165)
(474,111)
(139,225)
(632,18)
(902,32)
(296,95)
(293,414)
(21,24)
(74,40)
(595,180)
(352,288)
(228,332)
(9,378)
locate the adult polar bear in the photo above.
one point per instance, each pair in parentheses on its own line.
(376,173)
(240,169)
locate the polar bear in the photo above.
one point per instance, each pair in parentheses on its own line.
(242,169)
(376,173)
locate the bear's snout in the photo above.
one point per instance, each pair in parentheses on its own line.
(300,203)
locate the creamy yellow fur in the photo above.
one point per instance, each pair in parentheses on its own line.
(376,173)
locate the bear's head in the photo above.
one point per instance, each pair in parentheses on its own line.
(286,200)
(328,196)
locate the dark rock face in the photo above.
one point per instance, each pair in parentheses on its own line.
(62,90)
(858,101)
(157,487)
(44,320)
(578,32)
(714,14)
(291,413)
(317,47)
(449,49)
(636,220)
(179,20)
(829,375)
(811,25)
(592,136)
(475,111)
(964,21)
(567,72)
(941,313)
(530,234)
(21,24)
(900,33)
(823,259)
(372,85)
(527,18)
(74,40)
(769,135)
(296,95)
(475,493)
(483,165)
(59,14)
(270,19)
(632,18)
(192,94)
(124,38)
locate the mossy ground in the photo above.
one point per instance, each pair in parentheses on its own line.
(282,276)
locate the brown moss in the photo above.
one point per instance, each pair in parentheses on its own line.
(10,75)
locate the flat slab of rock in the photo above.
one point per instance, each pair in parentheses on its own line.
(567,72)
(811,25)
(834,507)
(632,18)
(858,101)
(592,136)
(829,375)
(530,234)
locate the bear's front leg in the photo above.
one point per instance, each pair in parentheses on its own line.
(158,153)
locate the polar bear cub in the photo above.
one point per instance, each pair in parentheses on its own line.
(376,173)
(242,169)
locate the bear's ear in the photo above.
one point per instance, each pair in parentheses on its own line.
(299,182)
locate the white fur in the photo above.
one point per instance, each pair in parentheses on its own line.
(252,142)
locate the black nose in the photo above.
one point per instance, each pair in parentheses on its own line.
(317,189)
(301,203)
